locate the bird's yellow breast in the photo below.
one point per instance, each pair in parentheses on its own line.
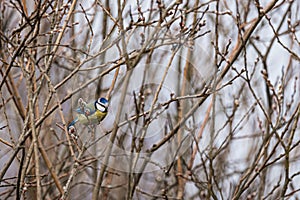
(100,115)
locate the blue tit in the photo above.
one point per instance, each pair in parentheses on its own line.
(89,114)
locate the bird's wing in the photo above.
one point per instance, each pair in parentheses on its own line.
(89,109)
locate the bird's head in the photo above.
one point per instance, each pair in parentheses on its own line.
(101,104)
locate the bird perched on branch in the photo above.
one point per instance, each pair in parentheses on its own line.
(89,114)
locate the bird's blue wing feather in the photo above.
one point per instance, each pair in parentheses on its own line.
(79,110)
(73,122)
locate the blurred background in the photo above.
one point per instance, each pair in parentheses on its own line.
(203,97)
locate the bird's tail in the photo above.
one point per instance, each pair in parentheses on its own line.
(72,129)
(72,124)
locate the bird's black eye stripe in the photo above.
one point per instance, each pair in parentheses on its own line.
(100,107)
(103,105)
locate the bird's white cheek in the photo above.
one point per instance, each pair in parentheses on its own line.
(100,107)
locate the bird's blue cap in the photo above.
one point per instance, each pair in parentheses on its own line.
(103,100)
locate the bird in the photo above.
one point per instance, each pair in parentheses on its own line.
(89,114)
